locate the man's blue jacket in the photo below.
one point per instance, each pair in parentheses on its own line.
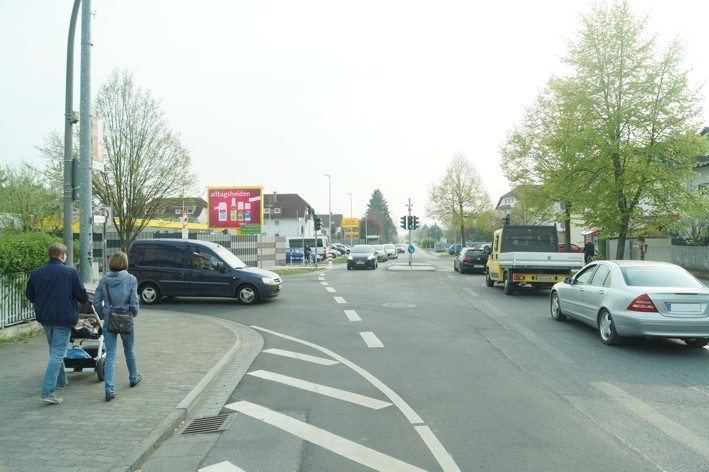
(55,289)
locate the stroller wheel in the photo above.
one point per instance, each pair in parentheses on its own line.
(100,368)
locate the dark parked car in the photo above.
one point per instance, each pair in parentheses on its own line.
(194,268)
(362,256)
(294,255)
(470,259)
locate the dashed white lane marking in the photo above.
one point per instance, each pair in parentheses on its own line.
(340,300)
(371,339)
(352,315)
(439,452)
(339,445)
(300,357)
(322,282)
(330,289)
(344,395)
(655,418)
(225,466)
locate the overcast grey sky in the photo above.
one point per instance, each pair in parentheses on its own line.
(378,94)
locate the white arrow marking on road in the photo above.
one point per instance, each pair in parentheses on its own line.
(371,339)
(344,395)
(339,445)
(300,357)
(225,466)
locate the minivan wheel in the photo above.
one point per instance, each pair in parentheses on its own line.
(247,294)
(149,294)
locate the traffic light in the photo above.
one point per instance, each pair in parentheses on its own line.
(404,224)
(415,223)
(410,223)
(318,223)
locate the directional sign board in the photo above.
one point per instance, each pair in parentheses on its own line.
(411,249)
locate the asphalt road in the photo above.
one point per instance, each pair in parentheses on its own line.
(423,368)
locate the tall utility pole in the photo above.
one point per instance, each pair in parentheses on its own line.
(69,121)
(329,205)
(351,231)
(85,196)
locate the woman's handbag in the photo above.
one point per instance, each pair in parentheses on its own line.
(119,322)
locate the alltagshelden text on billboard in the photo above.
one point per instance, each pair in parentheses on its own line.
(236,208)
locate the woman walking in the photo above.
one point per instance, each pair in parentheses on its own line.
(120,289)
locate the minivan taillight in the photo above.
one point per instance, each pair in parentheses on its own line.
(642,303)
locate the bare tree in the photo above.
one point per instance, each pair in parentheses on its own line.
(460,199)
(144,161)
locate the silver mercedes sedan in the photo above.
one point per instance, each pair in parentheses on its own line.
(635,299)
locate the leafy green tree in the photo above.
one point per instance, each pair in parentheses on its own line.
(27,204)
(144,161)
(616,140)
(459,199)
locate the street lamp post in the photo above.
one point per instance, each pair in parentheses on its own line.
(351,218)
(329,204)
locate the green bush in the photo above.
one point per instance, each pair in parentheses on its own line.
(22,252)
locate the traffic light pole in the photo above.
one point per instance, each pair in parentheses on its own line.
(410,224)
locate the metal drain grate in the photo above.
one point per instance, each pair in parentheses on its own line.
(209,424)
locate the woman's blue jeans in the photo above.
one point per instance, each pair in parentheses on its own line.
(55,376)
(111,341)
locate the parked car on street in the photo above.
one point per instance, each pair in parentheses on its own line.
(341,247)
(401,248)
(167,267)
(627,298)
(294,256)
(362,256)
(454,249)
(470,259)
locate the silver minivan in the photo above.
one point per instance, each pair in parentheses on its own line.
(193,268)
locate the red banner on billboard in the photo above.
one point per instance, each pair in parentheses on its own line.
(235,207)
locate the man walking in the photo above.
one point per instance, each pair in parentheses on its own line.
(55,289)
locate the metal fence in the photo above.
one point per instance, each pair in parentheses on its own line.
(14,306)
(689,257)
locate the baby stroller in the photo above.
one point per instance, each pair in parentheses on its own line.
(87,352)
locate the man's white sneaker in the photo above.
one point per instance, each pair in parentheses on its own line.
(53,399)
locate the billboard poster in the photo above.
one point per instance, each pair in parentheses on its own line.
(239,208)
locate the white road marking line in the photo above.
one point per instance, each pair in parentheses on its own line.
(344,395)
(439,452)
(225,466)
(332,442)
(655,418)
(352,315)
(340,300)
(394,397)
(300,357)
(322,282)
(330,289)
(371,339)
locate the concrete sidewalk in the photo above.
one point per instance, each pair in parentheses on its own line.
(190,365)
